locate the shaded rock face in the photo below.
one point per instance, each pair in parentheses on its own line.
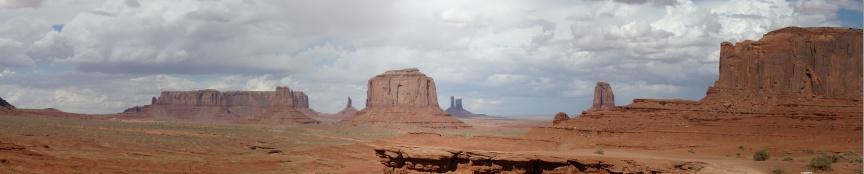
(560,117)
(794,85)
(603,97)
(410,159)
(404,96)
(282,105)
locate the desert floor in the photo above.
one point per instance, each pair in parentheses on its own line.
(70,145)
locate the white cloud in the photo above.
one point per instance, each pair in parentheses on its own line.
(19,3)
(510,57)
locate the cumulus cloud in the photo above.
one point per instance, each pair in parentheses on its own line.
(502,57)
(9,4)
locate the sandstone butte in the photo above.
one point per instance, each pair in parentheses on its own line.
(404,96)
(280,106)
(603,96)
(794,88)
(348,111)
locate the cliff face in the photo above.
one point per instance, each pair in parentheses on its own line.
(404,96)
(402,88)
(800,85)
(283,104)
(801,62)
(603,96)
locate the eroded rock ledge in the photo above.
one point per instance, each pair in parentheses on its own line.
(412,159)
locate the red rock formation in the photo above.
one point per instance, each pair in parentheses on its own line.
(560,117)
(411,159)
(603,97)
(282,105)
(349,110)
(404,96)
(794,87)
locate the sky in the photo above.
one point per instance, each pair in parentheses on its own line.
(502,57)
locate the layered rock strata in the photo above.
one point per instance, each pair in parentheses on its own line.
(560,117)
(795,86)
(404,96)
(281,106)
(413,159)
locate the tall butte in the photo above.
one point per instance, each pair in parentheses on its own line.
(404,96)
(280,106)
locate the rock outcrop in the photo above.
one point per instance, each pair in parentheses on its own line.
(560,117)
(796,86)
(457,110)
(5,106)
(412,159)
(603,96)
(281,106)
(349,110)
(404,96)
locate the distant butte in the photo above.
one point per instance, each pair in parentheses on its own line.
(349,110)
(404,96)
(280,106)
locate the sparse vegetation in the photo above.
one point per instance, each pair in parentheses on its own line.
(761,155)
(691,151)
(599,152)
(788,158)
(821,162)
(777,171)
(740,147)
(738,155)
(808,151)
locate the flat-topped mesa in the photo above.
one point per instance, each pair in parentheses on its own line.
(404,96)
(281,105)
(794,62)
(603,96)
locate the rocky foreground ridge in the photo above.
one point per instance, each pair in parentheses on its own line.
(404,96)
(414,159)
(281,106)
(795,86)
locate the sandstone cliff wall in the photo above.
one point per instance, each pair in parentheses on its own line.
(808,62)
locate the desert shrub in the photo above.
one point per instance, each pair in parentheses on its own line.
(761,155)
(599,151)
(808,151)
(691,151)
(740,147)
(738,155)
(788,158)
(777,171)
(821,162)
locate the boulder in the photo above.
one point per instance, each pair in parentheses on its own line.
(404,96)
